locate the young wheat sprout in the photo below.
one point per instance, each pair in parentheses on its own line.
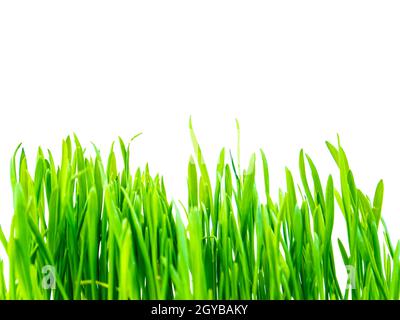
(86,229)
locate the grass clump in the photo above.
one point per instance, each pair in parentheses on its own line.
(107,233)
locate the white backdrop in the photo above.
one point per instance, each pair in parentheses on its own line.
(294,73)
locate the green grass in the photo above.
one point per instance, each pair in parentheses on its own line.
(113,233)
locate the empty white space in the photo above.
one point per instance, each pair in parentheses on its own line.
(295,73)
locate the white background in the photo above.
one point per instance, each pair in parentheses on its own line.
(294,73)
